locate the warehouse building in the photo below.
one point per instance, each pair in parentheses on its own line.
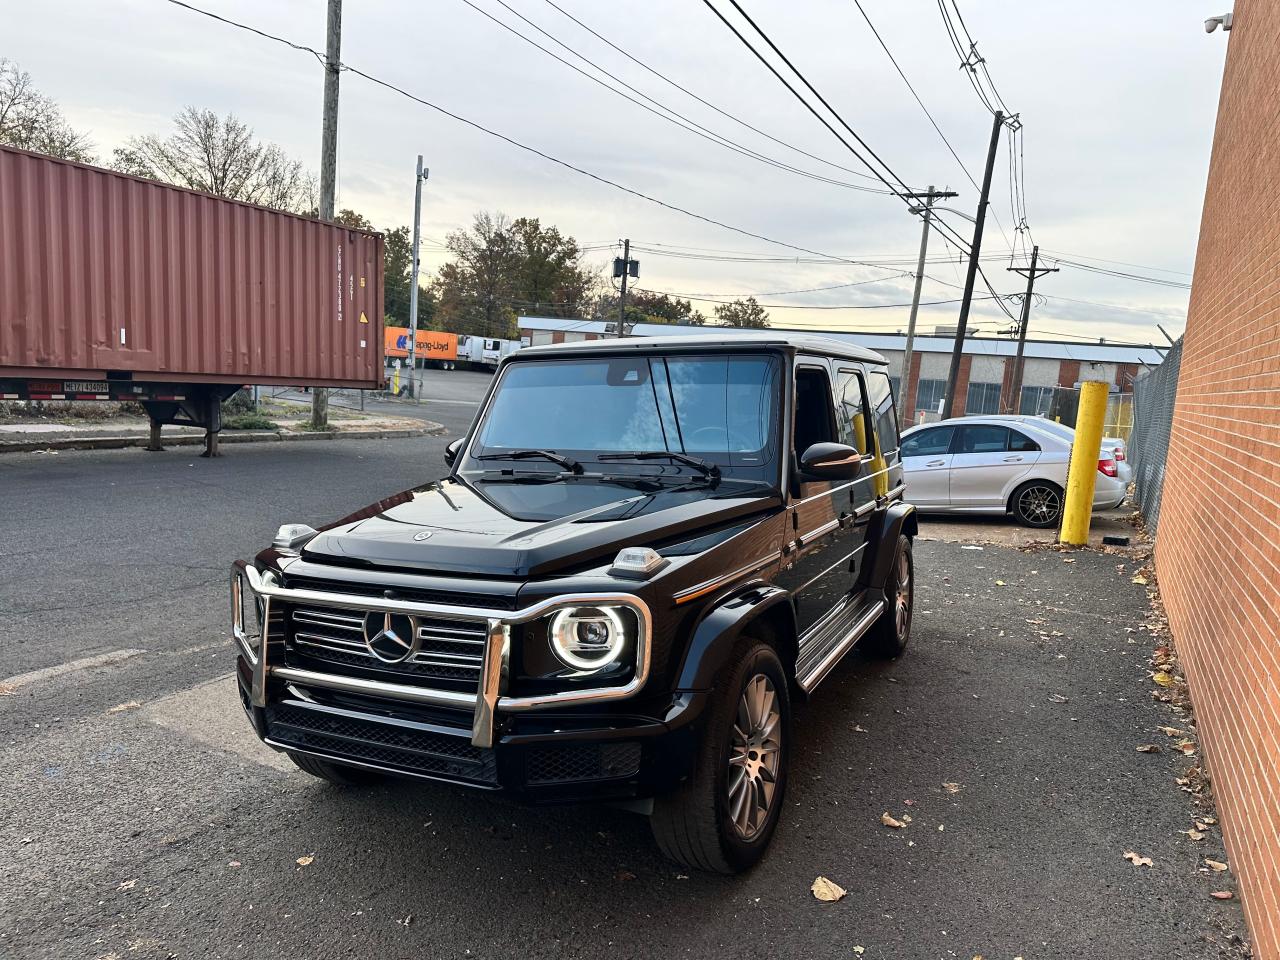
(985,382)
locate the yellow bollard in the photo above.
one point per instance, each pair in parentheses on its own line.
(1083,472)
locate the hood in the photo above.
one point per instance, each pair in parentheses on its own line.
(527,529)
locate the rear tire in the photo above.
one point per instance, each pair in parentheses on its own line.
(335,773)
(722,819)
(1037,504)
(888,636)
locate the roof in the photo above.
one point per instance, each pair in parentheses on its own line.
(742,339)
(989,346)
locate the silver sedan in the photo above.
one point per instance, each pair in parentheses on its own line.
(999,465)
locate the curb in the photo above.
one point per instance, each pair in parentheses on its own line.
(429,428)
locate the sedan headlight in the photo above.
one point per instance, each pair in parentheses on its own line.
(587,638)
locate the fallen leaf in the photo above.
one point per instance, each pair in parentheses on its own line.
(1170,731)
(122,707)
(1193,834)
(233,864)
(1141,580)
(909,803)
(1148,748)
(905,819)
(1222,894)
(999,583)
(624,875)
(1136,860)
(1162,678)
(129,884)
(1187,747)
(826,891)
(857,728)
(1210,820)
(951,787)
(1068,560)
(305,861)
(859,950)
(1217,866)
(889,821)
(1057,698)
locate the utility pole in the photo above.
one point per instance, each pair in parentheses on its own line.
(975,248)
(413,286)
(624,267)
(329,165)
(929,196)
(1032,273)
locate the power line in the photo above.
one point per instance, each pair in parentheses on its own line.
(1122,274)
(706,103)
(796,306)
(905,191)
(1123,263)
(676,118)
(792,293)
(523,146)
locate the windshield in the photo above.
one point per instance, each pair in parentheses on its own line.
(722,409)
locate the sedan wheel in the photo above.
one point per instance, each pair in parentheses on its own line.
(1038,504)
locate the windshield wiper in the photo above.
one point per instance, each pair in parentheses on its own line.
(573,466)
(706,469)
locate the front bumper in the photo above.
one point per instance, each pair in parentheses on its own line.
(550,757)
(567,745)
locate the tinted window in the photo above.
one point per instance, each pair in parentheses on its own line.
(1021,443)
(880,393)
(983,438)
(850,411)
(813,408)
(928,443)
(929,394)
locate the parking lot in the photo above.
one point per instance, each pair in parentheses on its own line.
(140,818)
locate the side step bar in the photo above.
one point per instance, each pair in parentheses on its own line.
(812,670)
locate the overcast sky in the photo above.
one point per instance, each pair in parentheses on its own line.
(1118,102)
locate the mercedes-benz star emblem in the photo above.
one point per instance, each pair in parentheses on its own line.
(391,637)
(422,535)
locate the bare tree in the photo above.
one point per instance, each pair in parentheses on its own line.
(220,155)
(30,120)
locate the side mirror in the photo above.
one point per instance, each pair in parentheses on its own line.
(452,450)
(830,461)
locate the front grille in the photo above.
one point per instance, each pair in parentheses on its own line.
(582,761)
(400,746)
(448,649)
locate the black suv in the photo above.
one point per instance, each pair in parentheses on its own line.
(644,550)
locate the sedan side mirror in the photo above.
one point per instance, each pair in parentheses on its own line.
(830,461)
(452,450)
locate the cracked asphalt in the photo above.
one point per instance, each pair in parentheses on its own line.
(139,817)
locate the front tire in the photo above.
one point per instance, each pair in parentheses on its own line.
(722,819)
(1037,504)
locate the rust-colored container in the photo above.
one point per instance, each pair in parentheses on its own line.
(109,277)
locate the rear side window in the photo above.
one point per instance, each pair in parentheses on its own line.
(982,438)
(928,443)
(880,394)
(1021,443)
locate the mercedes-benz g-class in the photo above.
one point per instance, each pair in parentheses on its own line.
(643,551)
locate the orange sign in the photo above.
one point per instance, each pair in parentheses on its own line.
(430,345)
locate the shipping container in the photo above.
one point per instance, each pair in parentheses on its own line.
(430,345)
(124,287)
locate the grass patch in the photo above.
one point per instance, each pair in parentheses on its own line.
(249,421)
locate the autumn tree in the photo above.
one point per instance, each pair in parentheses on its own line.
(744,313)
(30,120)
(220,155)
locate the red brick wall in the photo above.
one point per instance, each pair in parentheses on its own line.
(962,386)
(1068,373)
(1218,545)
(912,382)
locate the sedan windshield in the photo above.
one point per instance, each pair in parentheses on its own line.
(720,409)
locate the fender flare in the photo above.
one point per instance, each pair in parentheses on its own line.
(718,631)
(897,519)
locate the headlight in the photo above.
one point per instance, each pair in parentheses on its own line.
(587,638)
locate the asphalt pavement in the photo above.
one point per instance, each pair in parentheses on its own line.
(140,818)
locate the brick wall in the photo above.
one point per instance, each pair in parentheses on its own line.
(962,385)
(1218,547)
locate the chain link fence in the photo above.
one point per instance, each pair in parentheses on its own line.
(1154,392)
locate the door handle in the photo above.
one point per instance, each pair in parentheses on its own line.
(1012,459)
(935,463)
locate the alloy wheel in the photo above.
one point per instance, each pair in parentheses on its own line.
(755,757)
(902,599)
(1040,504)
